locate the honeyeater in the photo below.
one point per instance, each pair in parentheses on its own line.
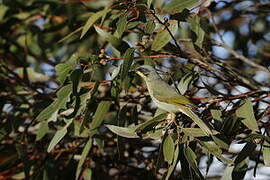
(167,98)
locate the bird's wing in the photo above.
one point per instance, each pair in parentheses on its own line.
(176,99)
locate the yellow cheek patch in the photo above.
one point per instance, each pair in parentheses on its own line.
(140,74)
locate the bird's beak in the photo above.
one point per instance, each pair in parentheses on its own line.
(140,74)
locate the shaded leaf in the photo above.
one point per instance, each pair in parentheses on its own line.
(128,59)
(75,78)
(168,149)
(58,137)
(150,27)
(157,119)
(163,36)
(196,28)
(100,114)
(246,112)
(172,166)
(178,5)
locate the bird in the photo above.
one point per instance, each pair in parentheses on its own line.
(167,97)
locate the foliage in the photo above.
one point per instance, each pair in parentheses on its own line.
(72,108)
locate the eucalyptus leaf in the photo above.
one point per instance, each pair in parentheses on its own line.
(100,114)
(85,152)
(92,19)
(247,114)
(163,36)
(168,149)
(127,132)
(179,5)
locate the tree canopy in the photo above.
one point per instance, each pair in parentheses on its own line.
(70,107)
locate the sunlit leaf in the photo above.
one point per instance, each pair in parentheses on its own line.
(127,132)
(62,70)
(62,98)
(163,36)
(266,153)
(84,154)
(168,149)
(172,166)
(196,28)
(121,25)
(195,132)
(42,130)
(191,158)
(92,19)
(227,175)
(246,112)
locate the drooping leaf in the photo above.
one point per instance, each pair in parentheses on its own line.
(62,70)
(157,119)
(172,166)
(191,158)
(184,83)
(178,5)
(92,19)
(266,153)
(100,114)
(150,27)
(227,175)
(117,43)
(75,78)
(84,154)
(216,114)
(195,132)
(42,130)
(62,98)
(163,36)
(245,152)
(128,59)
(58,137)
(127,132)
(246,112)
(196,28)
(121,25)
(168,149)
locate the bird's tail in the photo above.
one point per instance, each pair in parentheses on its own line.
(187,111)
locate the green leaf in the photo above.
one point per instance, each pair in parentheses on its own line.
(62,97)
(3,10)
(62,70)
(215,150)
(127,132)
(246,112)
(85,152)
(128,59)
(179,5)
(248,149)
(121,25)
(195,132)
(163,36)
(172,166)
(33,76)
(266,153)
(191,158)
(227,175)
(221,143)
(196,28)
(42,130)
(92,19)
(100,114)
(216,114)
(184,83)
(58,136)
(117,43)
(150,27)
(115,72)
(157,119)
(168,149)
